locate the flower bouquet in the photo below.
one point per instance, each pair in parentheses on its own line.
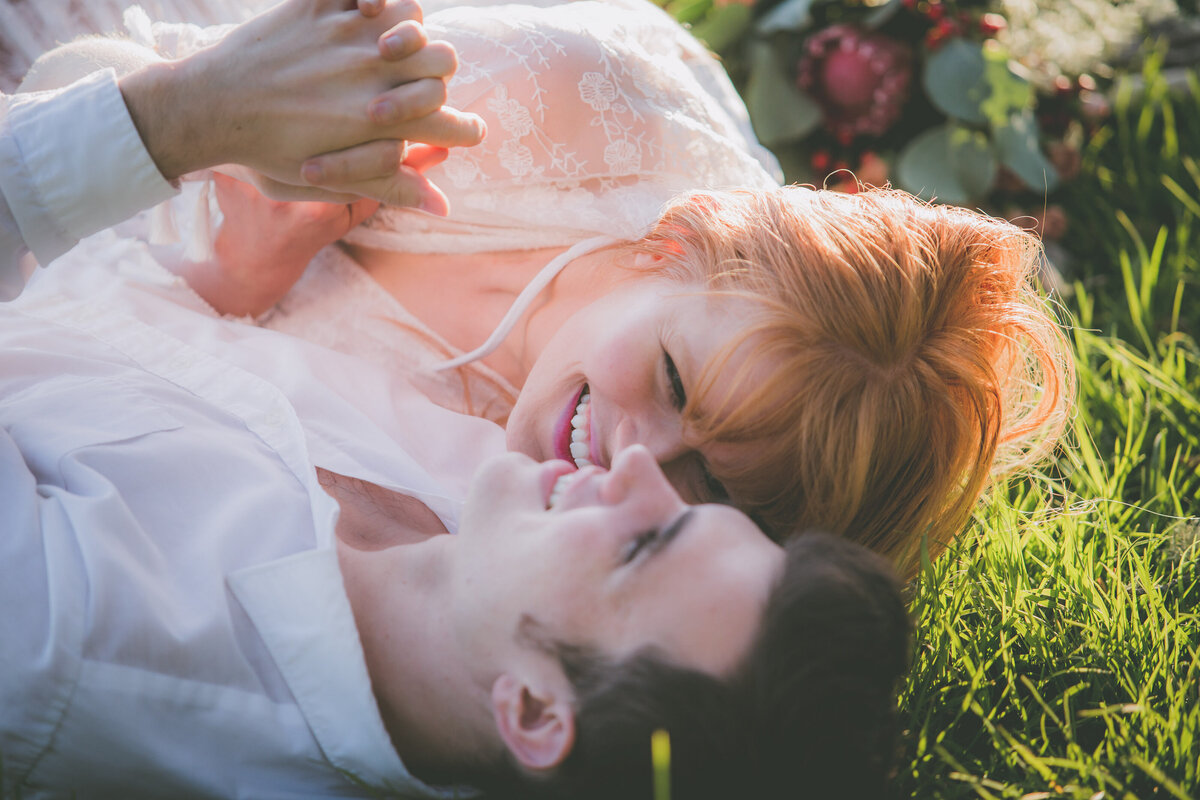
(974,102)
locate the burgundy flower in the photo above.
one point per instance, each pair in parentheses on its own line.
(860,79)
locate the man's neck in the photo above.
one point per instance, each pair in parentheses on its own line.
(374,518)
(433,710)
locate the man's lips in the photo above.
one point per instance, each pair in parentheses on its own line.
(551,472)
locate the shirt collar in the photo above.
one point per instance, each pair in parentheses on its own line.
(299,606)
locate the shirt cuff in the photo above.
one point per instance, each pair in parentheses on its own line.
(84,164)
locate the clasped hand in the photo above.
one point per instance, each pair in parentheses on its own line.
(317,98)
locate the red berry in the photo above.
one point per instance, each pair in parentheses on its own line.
(991,24)
(936,11)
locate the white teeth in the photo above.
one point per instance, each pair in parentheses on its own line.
(560,486)
(581,432)
(580,446)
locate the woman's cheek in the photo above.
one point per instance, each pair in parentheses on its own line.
(626,364)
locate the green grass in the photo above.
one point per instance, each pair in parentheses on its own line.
(1058,641)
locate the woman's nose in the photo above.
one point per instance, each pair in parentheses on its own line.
(662,437)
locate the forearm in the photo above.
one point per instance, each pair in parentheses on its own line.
(179,122)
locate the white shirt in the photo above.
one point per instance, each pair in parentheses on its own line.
(177,624)
(71,163)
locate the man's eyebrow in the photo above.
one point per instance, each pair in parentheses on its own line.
(672,530)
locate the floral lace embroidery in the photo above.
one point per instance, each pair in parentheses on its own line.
(597,112)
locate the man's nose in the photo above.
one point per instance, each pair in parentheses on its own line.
(634,470)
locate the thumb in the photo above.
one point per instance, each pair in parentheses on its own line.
(362,209)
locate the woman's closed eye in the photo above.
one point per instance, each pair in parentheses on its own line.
(709,489)
(678,393)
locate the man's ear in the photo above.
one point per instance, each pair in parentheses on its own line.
(537,724)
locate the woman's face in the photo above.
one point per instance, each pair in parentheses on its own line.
(618,373)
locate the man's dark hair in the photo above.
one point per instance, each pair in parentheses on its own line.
(810,712)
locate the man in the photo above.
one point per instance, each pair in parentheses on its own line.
(193,618)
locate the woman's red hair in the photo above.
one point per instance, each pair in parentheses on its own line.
(910,357)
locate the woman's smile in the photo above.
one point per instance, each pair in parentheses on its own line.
(618,372)
(572,427)
(583,454)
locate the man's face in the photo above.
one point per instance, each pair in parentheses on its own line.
(616,562)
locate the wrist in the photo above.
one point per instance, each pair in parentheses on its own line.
(174,116)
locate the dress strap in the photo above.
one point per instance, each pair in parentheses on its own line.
(527,295)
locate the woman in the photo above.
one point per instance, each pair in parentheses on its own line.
(863,364)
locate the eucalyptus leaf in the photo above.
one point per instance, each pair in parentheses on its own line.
(790,15)
(973,160)
(724,26)
(1020,150)
(1008,92)
(779,110)
(955,80)
(688,11)
(925,170)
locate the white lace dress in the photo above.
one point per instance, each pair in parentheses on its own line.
(598,112)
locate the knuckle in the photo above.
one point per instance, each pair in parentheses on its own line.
(404,40)
(442,58)
(437,93)
(409,9)
(336,170)
(402,192)
(467,131)
(389,158)
(421,98)
(416,33)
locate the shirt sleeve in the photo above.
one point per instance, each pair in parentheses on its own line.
(71,164)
